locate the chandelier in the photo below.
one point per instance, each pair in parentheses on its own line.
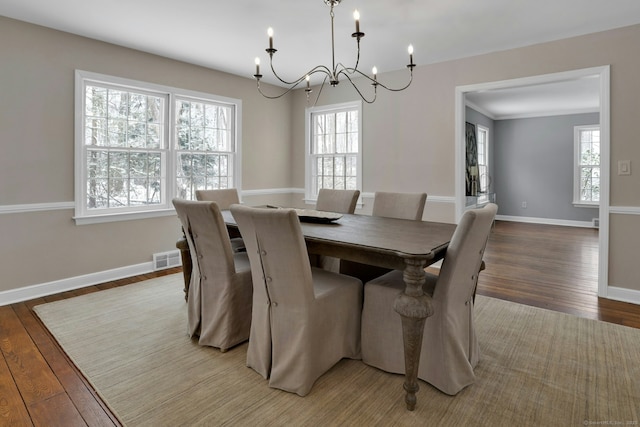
(334,73)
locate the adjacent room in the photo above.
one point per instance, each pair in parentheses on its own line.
(330,212)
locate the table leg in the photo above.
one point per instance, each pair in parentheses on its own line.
(185,253)
(414,306)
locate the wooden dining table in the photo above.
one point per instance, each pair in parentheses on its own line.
(398,244)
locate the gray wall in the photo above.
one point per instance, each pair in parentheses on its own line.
(533,163)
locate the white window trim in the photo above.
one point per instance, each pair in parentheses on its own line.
(486,155)
(576,168)
(82,216)
(309,197)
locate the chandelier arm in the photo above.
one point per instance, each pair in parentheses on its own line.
(314,70)
(277,96)
(348,69)
(402,88)
(319,69)
(295,82)
(345,70)
(375,92)
(357,56)
(321,87)
(399,89)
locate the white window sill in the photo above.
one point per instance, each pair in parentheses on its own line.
(585,205)
(122,216)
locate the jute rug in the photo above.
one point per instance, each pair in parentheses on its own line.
(537,368)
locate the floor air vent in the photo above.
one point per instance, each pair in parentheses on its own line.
(166,260)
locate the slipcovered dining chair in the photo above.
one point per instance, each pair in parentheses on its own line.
(450,349)
(305,319)
(224,197)
(221,291)
(388,205)
(399,205)
(341,201)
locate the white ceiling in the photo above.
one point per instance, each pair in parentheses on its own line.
(228,35)
(580,95)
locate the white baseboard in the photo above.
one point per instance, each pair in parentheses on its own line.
(40,290)
(43,289)
(623,294)
(546,221)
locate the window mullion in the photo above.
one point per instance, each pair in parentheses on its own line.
(171,150)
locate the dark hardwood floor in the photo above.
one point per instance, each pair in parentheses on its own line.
(552,267)
(544,266)
(39,385)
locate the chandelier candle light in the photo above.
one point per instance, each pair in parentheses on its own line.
(332,74)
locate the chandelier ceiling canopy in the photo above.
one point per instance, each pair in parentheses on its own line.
(335,73)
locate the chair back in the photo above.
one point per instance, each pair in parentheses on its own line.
(219,303)
(399,205)
(211,253)
(277,253)
(303,321)
(461,265)
(224,197)
(341,201)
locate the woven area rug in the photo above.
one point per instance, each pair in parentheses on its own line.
(537,368)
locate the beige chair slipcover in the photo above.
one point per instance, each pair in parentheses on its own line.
(388,205)
(341,201)
(224,197)
(305,319)
(399,205)
(449,347)
(220,292)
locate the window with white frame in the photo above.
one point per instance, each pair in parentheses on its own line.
(205,151)
(334,148)
(482,141)
(138,145)
(587,165)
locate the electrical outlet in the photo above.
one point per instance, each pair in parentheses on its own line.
(524,205)
(624,167)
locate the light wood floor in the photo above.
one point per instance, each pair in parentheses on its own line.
(544,266)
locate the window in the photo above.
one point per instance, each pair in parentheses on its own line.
(334,153)
(587,165)
(138,145)
(483,158)
(205,154)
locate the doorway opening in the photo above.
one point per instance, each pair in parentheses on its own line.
(602,76)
